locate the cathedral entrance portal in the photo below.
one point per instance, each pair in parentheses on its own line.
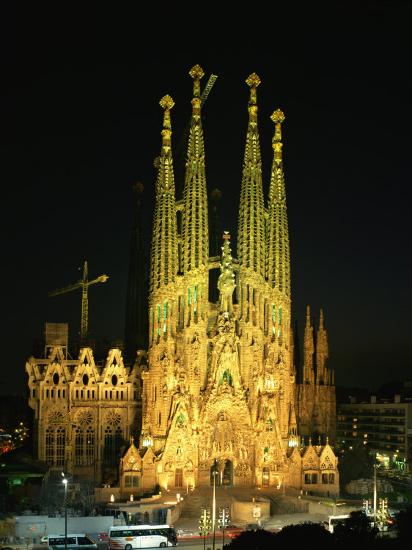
(227,474)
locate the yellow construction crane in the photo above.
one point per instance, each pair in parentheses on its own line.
(84,285)
(208,87)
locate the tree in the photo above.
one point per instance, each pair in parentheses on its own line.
(404,525)
(356,530)
(355,463)
(253,540)
(298,536)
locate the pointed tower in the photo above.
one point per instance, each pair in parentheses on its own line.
(195,232)
(308,351)
(163,266)
(278,260)
(226,282)
(250,241)
(296,349)
(136,299)
(322,354)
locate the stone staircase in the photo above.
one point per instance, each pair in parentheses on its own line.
(202,498)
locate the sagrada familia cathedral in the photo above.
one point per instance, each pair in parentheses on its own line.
(217,389)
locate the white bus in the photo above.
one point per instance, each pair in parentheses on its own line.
(127,537)
(333,521)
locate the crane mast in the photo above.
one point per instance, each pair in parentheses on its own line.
(207,88)
(83,284)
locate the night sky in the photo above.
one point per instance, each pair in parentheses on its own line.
(81,123)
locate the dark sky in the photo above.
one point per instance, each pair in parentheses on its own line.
(81,123)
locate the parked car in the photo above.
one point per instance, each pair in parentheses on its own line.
(232,531)
(252,527)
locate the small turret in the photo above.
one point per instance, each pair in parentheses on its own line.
(322,353)
(308,351)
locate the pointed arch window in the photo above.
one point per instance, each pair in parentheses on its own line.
(179,477)
(158,319)
(165,316)
(113,439)
(60,445)
(55,439)
(195,296)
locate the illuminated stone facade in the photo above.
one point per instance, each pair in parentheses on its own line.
(84,414)
(220,384)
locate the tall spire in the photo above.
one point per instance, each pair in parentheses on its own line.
(136,306)
(308,350)
(278,260)
(163,267)
(226,282)
(195,236)
(250,246)
(296,350)
(322,353)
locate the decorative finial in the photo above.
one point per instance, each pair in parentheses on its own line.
(166,103)
(277,117)
(327,440)
(253,82)
(196,73)
(321,319)
(131,440)
(310,442)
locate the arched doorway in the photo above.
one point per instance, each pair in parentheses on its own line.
(227,475)
(214,472)
(178,477)
(265,477)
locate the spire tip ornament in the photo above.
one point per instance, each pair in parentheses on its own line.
(278,116)
(253,80)
(166,102)
(196,72)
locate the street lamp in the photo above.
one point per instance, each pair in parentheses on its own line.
(65,481)
(375,493)
(204,525)
(215,473)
